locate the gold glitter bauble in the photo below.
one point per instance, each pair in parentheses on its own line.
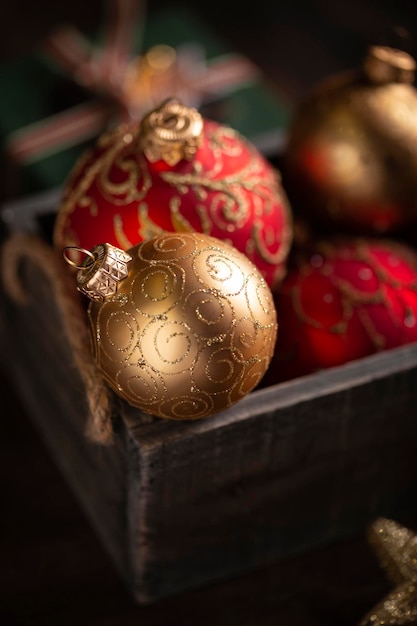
(351,157)
(183,325)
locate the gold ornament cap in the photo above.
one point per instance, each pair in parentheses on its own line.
(383,64)
(101,271)
(171,132)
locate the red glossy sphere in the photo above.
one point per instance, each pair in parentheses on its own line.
(350,298)
(228,190)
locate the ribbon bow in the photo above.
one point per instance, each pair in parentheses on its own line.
(124,87)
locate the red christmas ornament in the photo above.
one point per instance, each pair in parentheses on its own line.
(178,172)
(348,299)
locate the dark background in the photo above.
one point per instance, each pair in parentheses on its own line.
(296,42)
(53,570)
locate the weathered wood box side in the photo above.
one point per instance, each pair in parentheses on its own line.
(182,505)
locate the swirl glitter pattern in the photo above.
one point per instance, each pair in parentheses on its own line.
(348,299)
(228,191)
(191,330)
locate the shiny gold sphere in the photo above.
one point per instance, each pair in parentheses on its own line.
(351,155)
(190,330)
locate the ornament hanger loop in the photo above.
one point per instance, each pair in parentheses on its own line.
(91,260)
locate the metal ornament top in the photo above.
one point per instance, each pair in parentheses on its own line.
(171,133)
(101,271)
(389,65)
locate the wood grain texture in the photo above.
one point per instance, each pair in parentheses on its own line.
(39,360)
(54,571)
(181,505)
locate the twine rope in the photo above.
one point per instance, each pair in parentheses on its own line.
(20,248)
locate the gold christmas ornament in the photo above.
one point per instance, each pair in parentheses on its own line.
(183,325)
(351,157)
(396,549)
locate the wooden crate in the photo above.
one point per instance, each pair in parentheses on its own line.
(182,505)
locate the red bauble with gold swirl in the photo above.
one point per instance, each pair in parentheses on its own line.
(343,300)
(178,172)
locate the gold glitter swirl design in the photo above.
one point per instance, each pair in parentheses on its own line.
(143,385)
(230,205)
(135,183)
(355,300)
(229,208)
(251,376)
(282,241)
(248,338)
(168,248)
(247,206)
(226,141)
(191,330)
(188,407)
(157,288)
(122,240)
(209,313)
(118,330)
(259,300)
(244,197)
(94,165)
(216,268)
(173,345)
(219,370)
